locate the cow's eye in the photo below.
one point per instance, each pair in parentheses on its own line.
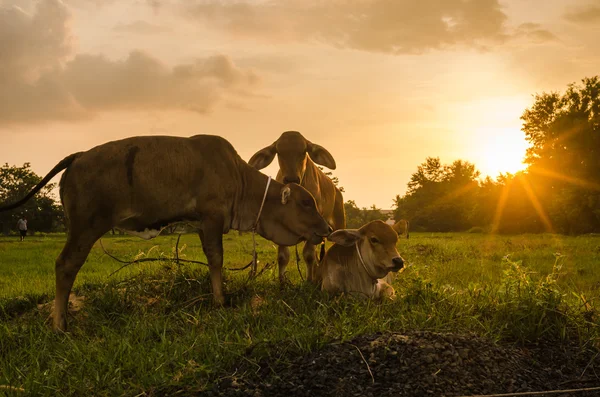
(374,240)
(306,202)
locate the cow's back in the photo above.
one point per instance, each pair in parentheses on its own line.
(153,178)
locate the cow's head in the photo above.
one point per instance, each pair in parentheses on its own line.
(290,215)
(292,148)
(377,244)
(401,227)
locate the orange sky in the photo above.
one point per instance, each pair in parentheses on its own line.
(382,84)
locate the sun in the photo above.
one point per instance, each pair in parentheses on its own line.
(500,150)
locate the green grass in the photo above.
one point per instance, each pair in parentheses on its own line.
(151,328)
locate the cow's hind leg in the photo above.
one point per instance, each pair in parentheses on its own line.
(211,236)
(310,254)
(283,257)
(68,263)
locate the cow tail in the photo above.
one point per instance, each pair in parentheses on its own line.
(66,162)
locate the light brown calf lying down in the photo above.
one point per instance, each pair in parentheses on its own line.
(360,259)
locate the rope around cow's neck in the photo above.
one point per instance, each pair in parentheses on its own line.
(254,256)
(362,262)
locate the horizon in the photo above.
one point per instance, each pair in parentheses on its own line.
(382,92)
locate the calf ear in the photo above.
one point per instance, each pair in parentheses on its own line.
(320,155)
(263,157)
(285,194)
(345,237)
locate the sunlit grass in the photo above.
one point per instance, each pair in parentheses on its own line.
(152,328)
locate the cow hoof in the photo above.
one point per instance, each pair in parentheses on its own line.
(284,280)
(60,327)
(219,301)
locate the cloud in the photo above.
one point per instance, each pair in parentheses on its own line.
(41,79)
(534,33)
(140,27)
(30,44)
(588,14)
(388,26)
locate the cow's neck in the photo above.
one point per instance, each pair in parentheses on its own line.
(357,278)
(310,176)
(253,184)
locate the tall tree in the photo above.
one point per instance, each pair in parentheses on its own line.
(564,133)
(440,197)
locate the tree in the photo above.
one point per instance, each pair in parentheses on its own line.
(564,157)
(43,213)
(440,197)
(357,217)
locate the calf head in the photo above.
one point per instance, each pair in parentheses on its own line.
(377,244)
(292,149)
(290,215)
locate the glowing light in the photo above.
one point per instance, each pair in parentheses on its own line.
(500,150)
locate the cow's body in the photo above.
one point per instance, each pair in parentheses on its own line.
(401,227)
(295,156)
(143,184)
(359,261)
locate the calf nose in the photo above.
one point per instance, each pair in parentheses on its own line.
(398,262)
(287,180)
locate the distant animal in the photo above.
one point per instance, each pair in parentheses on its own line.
(360,259)
(143,184)
(297,157)
(401,227)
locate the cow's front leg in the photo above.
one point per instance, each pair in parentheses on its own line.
(283,257)
(211,236)
(309,254)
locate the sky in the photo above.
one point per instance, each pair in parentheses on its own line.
(381,84)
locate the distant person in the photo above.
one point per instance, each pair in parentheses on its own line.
(22,226)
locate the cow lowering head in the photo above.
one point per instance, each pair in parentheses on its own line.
(376,245)
(292,149)
(290,215)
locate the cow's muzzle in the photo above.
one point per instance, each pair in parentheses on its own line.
(291,180)
(398,263)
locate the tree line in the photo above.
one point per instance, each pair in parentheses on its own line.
(559,191)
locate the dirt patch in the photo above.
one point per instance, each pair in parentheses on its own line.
(419,364)
(76,303)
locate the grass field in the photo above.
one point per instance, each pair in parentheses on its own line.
(151,328)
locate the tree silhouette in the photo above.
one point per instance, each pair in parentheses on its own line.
(43,213)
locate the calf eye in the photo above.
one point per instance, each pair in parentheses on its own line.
(374,240)
(306,203)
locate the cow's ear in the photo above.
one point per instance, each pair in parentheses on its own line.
(285,194)
(345,237)
(320,155)
(263,157)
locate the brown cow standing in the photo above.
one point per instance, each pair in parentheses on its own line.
(359,261)
(297,157)
(143,184)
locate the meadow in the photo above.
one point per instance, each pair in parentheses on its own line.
(151,329)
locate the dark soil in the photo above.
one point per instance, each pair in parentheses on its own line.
(420,364)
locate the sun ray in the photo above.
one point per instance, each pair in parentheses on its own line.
(569,179)
(500,207)
(536,204)
(454,194)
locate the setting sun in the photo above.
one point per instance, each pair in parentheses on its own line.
(502,151)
